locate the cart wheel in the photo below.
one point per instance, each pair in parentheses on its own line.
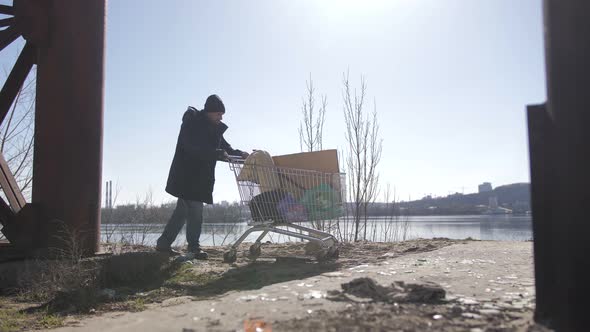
(230,256)
(255,250)
(333,252)
(321,255)
(312,248)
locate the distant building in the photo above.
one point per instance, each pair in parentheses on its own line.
(493,202)
(485,187)
(493,207)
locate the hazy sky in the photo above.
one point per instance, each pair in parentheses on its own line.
(451,80)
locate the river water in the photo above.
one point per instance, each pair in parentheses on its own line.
(481,227)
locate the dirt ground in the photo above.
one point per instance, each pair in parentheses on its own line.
(489,286)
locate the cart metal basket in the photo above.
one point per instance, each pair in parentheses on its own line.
(279,198)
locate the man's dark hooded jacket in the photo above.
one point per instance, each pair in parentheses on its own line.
(200,144)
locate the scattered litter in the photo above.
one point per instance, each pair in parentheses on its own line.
(108,293)
(456,310)
(519,305)
(468,301)
(437,317)
(358,267)
(470,315)
(314,294)
(489,311)
(333,274)
(309,311)
(398,291)
(184,258)
(248,298)
(304,285)
(489,306)
(388,255)
(254,325)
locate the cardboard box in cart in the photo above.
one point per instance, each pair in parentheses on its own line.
(325,161)
(322,161)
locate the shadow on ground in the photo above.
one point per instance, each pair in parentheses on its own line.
(258,274)
(130,280)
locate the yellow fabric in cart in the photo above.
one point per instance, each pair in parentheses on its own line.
(259,168)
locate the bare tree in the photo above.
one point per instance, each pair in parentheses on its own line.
(312,127)
(364,146)
(394,226)
(17,135)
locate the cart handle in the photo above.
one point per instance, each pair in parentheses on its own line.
(236,159)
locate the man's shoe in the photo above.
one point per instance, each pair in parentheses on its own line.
(199,254)
(167,250)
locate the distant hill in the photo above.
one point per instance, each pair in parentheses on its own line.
(515,197)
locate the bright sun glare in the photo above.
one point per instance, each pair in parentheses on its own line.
(354,7)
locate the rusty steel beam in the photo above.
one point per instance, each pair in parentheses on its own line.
(16,79)
(541,141)
(69,120)
(567,49)
(6,21)
(10,187)
(6,213)
(8,35)
(6,10)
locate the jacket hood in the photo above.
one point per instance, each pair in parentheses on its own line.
(192,114)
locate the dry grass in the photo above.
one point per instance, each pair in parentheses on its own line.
(51,290)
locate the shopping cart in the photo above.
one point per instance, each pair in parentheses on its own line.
(280,198)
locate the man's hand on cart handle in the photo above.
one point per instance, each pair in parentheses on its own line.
(237,158)
(222,155)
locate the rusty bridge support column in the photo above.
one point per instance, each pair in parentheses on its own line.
(69,121)
(560,170)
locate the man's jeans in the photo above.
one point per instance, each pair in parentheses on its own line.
(192,212)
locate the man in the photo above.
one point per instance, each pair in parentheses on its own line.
(192,174)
